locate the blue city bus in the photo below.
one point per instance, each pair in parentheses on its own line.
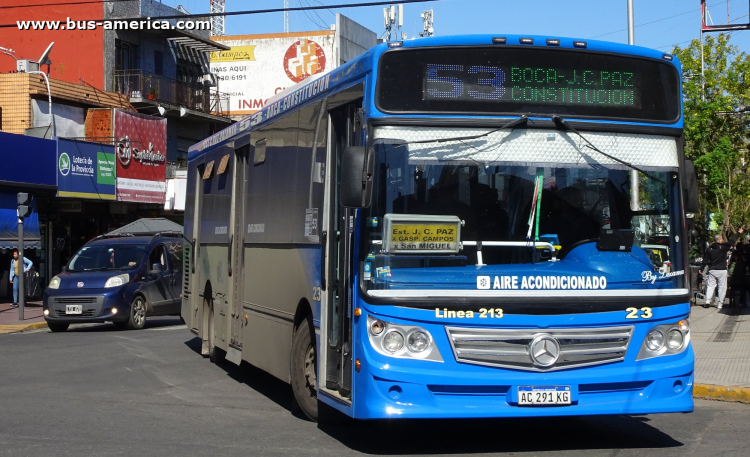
(451,227)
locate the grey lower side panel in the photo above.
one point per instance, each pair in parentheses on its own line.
(275,281)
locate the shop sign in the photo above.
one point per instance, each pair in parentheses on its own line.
(85,170)
(141,151)
(69,207)
(260,66)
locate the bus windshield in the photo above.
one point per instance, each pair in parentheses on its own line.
(518,210)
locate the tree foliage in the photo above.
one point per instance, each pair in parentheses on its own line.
(716,127)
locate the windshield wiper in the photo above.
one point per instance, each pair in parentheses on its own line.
(510,125)
(559,121)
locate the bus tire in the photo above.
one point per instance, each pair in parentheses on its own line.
(304,374)
(215,355)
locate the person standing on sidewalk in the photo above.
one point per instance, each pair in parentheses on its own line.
(16,274)
(716,260)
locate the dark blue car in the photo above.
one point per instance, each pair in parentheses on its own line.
(119,279)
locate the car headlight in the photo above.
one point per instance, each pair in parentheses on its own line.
(402,341)
(665,339)
(118,280)
(55,283)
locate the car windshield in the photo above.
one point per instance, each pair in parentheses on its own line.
(521,209)
(107,257)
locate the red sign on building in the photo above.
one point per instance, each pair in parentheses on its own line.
(141,150)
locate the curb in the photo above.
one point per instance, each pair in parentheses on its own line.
(721,393)
(22,327)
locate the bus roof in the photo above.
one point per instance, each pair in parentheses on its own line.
(319,86)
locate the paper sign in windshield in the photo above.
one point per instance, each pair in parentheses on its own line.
(423,237)
(422,234)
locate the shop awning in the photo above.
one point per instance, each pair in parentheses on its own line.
(9,230)
(148,226)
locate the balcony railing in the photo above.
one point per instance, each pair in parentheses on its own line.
(140,84)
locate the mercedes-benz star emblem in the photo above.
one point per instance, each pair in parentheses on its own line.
(544,350)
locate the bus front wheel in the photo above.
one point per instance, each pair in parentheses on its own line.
(304,370)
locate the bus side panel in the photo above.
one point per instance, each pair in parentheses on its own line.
(190,289)
(277,279)
(212,256)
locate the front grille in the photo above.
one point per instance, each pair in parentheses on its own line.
(85,313)
(75,300)
(509,348)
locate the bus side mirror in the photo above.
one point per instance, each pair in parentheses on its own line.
(692,203)
(357,169)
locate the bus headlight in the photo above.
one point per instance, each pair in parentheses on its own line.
(418,341)
(655,340)
(665,339)
(674,339)
(393,341)
(402,341)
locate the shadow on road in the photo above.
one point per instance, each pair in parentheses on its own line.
(464,436)
(272,388)
(151,322)
(469,436)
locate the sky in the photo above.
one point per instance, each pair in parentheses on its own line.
(659,24)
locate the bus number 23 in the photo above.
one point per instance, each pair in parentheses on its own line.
(633,313)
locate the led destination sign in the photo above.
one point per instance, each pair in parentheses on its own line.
(531,84)
(528,80)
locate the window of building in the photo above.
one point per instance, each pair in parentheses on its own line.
(126,56)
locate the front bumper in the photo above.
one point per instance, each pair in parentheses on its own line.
(96,305)
(388,387)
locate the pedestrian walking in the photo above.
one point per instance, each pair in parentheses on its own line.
(16,274)
(716,261)
(737,276)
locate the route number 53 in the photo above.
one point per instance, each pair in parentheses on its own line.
(633,313)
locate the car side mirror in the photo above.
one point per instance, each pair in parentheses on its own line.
(156,269)
(357,169)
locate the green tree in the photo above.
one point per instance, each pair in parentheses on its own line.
(716,128)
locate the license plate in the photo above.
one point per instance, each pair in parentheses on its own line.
(543,395)
(73,309)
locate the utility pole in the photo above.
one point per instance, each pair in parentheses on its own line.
(428,18)
(286,16)
(217,22)
(634,178)
(24,210)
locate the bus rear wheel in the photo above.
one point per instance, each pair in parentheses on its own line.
(215,355)
(304,370)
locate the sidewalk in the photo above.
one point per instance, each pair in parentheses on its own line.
(32,318)
(721,341)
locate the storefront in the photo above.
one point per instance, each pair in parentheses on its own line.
(29,166)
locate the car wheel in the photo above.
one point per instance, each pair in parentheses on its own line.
(57,327)
(137,318)
(215,355)
(304,370)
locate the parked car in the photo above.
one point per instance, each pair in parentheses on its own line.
(121,279)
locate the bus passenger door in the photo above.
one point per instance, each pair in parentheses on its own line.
(345,131)
(236,250)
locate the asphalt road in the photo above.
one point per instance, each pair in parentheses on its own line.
(95,391)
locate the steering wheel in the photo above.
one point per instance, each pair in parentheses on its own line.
(579,243)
